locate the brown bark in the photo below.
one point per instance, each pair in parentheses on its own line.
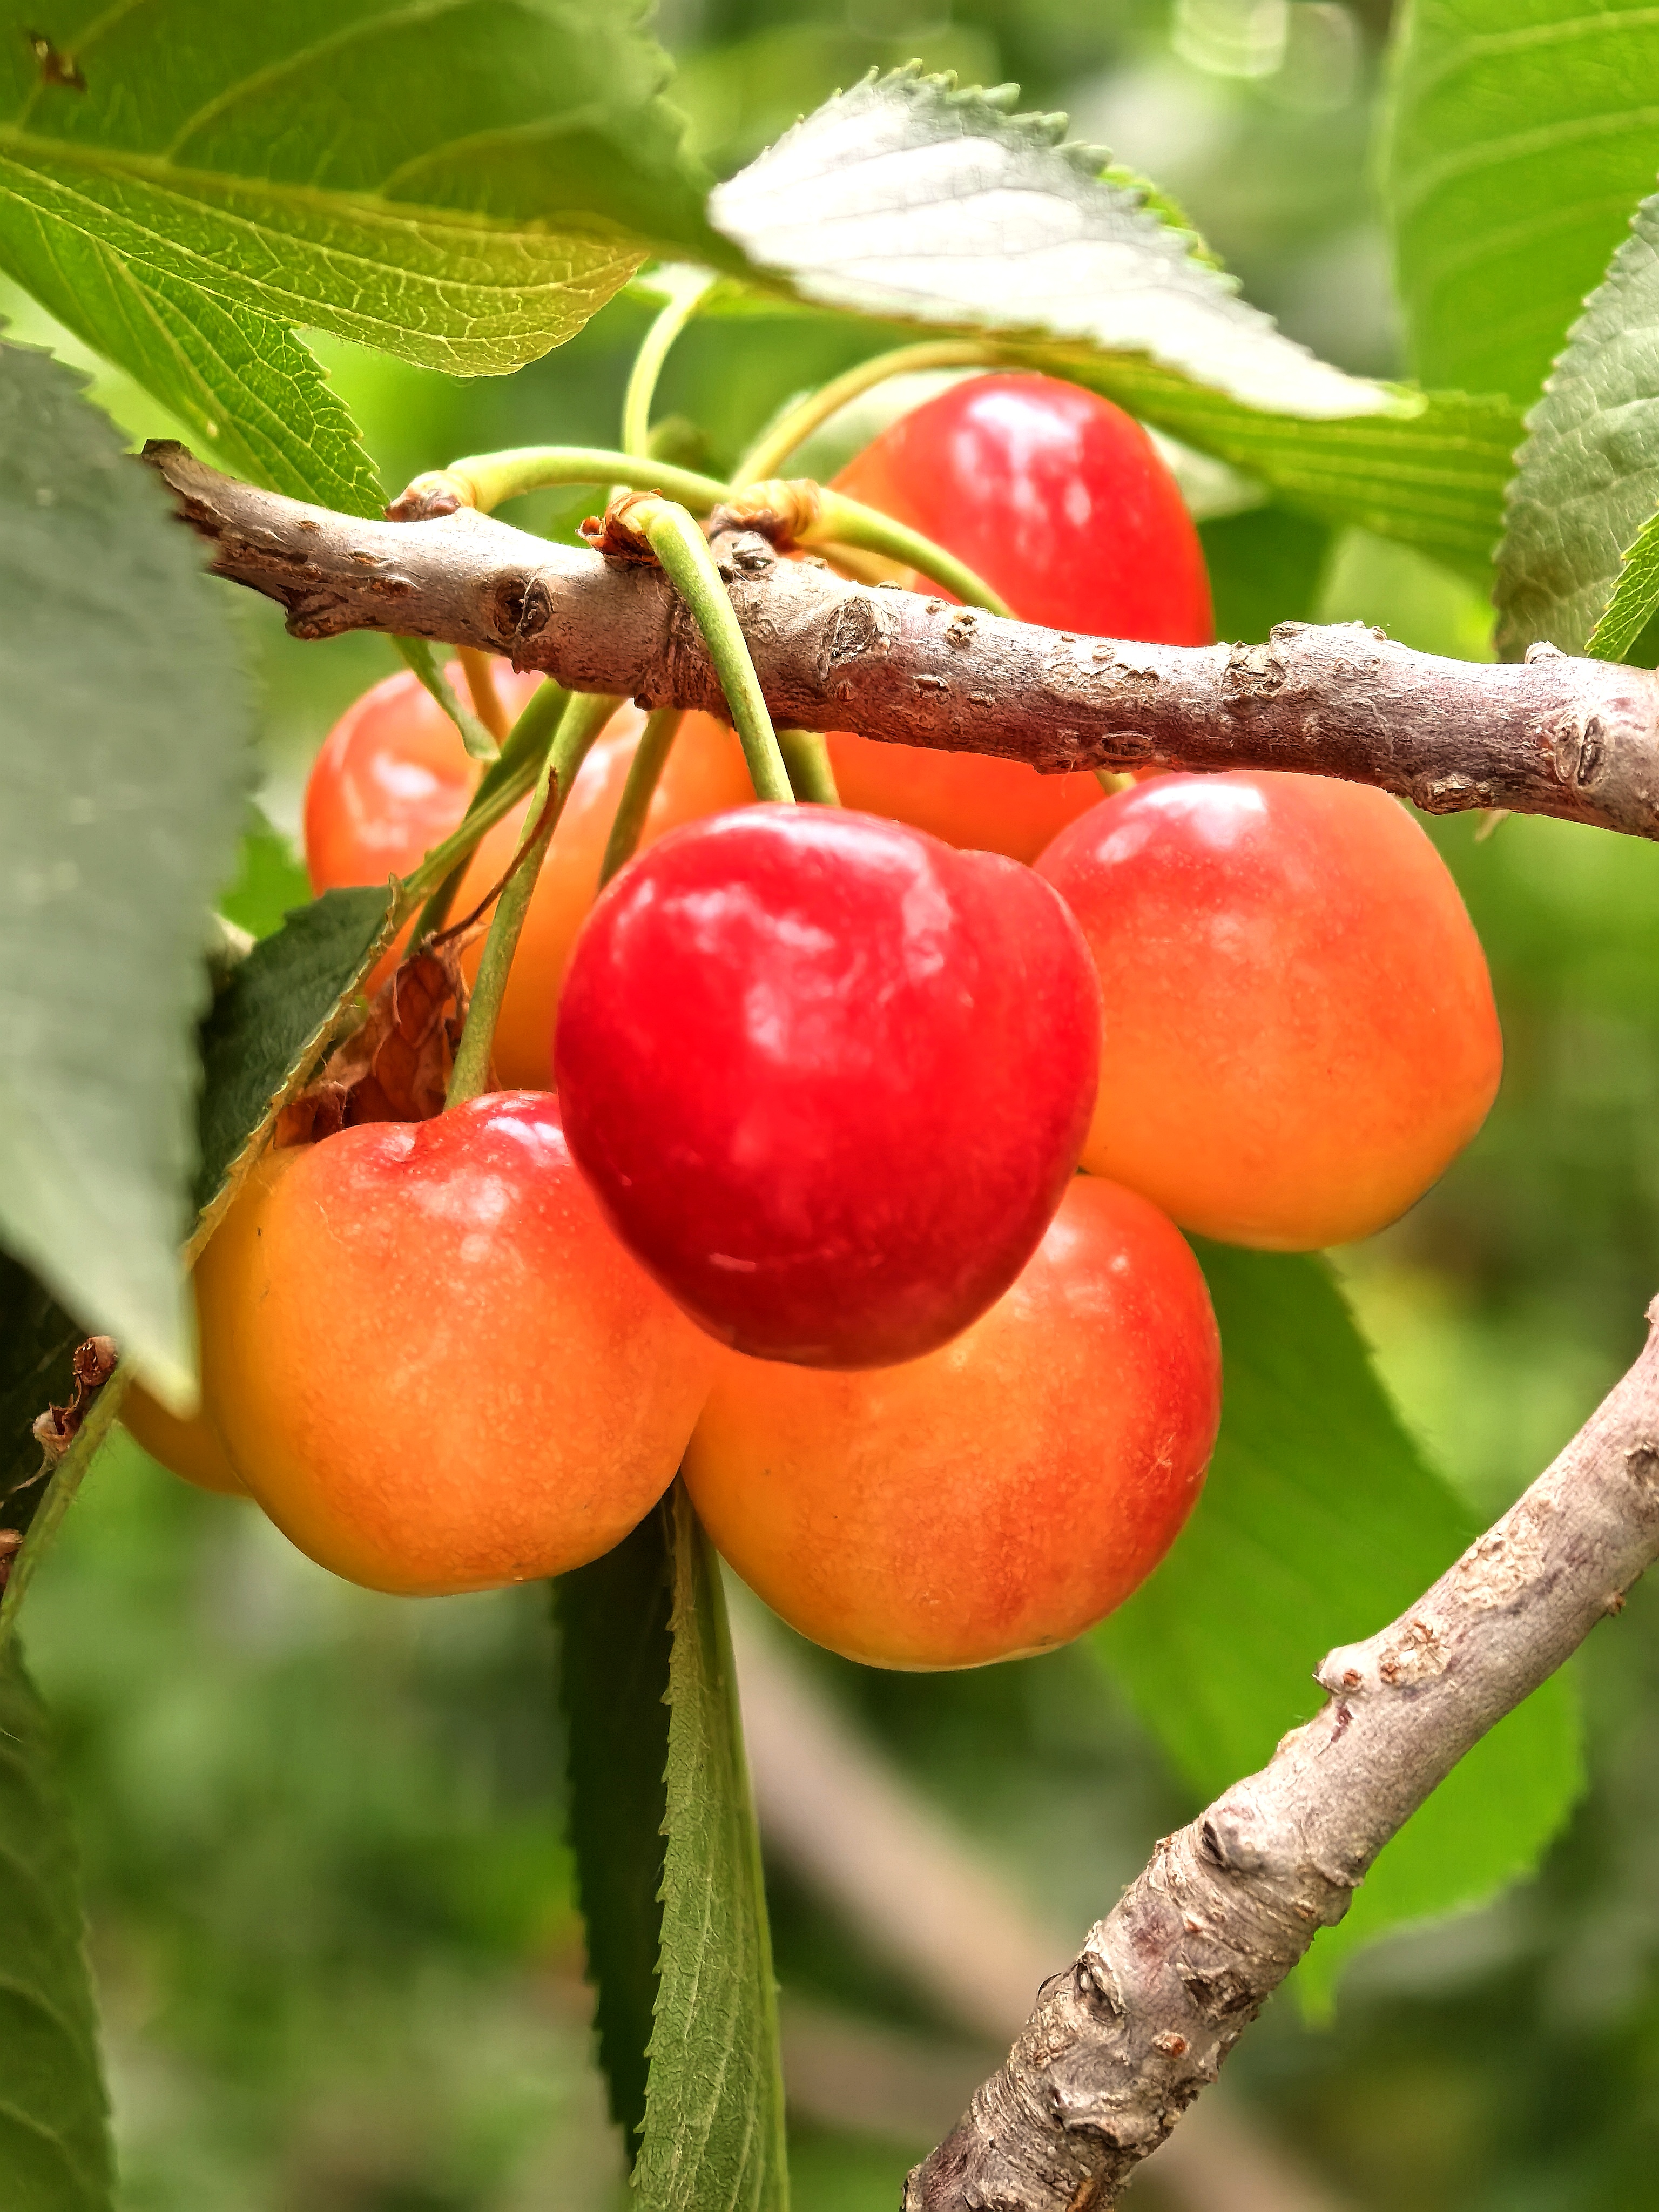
(1123,2040)
(1575,738)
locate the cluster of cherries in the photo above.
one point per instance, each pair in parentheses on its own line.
(788,1196)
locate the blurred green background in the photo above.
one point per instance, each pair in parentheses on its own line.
(332,1920)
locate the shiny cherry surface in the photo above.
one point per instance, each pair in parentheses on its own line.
(393,780)
(1063,504)
(828,1077)
(1300,1032)
(432,1363)
(998,1496)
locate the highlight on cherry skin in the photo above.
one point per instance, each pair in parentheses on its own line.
(431,1362)
(828,1077)
(393,780)
(1063,504)
(1301,1035)
(998,1496)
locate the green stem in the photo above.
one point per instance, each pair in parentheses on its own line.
(846,521)
(584,717)
(422,661)
(644,772)
(773,448)
(647,362)
(503,785)
(682,550)
(487,479)
(806,756)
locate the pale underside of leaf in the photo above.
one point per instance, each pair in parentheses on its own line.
(903,199)
(1587,479)
(124,743)
(713,2126)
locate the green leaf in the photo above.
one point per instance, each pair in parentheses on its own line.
(908,200)
(1518,142)
(614,1646)
(277,1016)
(54,2125)
(1587,479)
(252,393)
(269,880)
(714,2123)
(124,749)
(1434,478)
(1266,566)
(1319,1523)
(460,184)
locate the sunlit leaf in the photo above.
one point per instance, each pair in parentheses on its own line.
(183,184)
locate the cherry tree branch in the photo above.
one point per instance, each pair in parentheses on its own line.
(1123,2040)
(1578,739)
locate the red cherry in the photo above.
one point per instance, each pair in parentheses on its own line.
(1300,1032)
(998,1496)
(829,1077)
(1062,502)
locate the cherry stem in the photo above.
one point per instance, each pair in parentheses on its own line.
(585,715)
(644,773)
(485,480)
(843,521)
(678,543)
(686,289)
(422,662)
(767,456)
(479,669)
(806,756)
(503,785)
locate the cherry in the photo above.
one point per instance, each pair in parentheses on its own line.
(189,1447)
(1300,1032)
(393,780)
(828,1077)
(1062,503)
(431,1362)
(997,1496)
